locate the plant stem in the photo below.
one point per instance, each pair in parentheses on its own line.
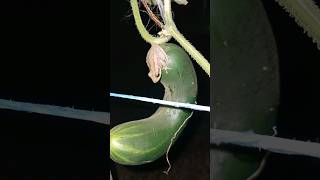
(196,55)
(170,27)
(142,30)
(151,14)
(169,30)
(306,14)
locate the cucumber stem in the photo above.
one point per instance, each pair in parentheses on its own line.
(172,30)
(142,30)
(193,52)
(307,15)
(168,31)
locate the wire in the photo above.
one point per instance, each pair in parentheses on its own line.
(67,112)
(268,143)
(163,102)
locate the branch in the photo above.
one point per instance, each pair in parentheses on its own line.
(67,112)
(268,143)
(142,30)
(151,14)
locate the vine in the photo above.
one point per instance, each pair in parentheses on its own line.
(169,30)
(306,14)
(143,31)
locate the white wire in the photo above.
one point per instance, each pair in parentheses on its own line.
(67,112)
(163,102)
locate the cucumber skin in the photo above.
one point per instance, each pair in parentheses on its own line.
(143,141)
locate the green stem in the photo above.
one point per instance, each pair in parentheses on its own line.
(306,14)
(142,30)
(169,28)
(196,55)
(172,30)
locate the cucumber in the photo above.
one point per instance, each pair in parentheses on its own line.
(246,96)
(143,141)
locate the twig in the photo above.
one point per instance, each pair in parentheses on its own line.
(67,112)
(152,15)
(142,30)
(269,143)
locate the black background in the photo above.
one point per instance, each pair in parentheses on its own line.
(54,52)
(299,102)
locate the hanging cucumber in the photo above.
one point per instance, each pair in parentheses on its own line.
(143,141)
(246,83)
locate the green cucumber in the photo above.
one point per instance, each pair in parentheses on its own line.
(143,141)
(246,82)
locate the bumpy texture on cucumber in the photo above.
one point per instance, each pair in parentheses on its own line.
(143,141)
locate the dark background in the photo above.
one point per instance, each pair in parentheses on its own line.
(190,154)
(53,52)
(299,102)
